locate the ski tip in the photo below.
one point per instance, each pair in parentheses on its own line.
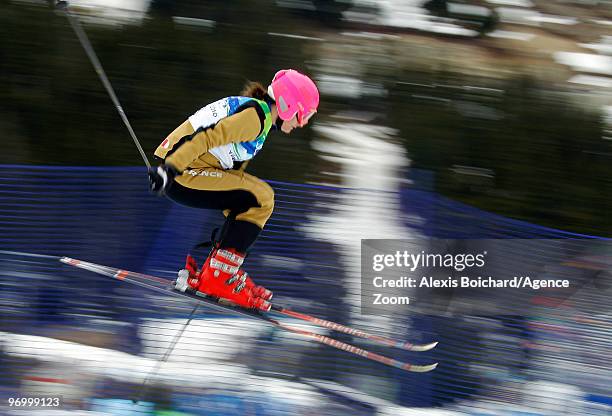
(423,368)
(70,261)
(421,348)
(66,260)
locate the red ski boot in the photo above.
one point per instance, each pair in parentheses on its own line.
(232,255)
(258,291)
(221,277)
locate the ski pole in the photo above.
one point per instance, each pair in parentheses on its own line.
(144,387)
(89,50)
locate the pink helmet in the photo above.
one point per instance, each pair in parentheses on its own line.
(294,93)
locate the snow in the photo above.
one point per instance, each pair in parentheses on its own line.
(204,340)
(518,3)
(468,9)
(603,47)
(552,398)
(402,411)
(191,21)
(370,35)
(118,365)
(518,16)
(585,62)
(348,87)
(602,22)
(292,36)
(608,114)
(607,119)
(531,17)
(350,393)
(126,5)
(73,357)
(211,340)
(111,11)
(591,80)
(560,20)
(405,14)
(340,86)
(49,412)
(371,165)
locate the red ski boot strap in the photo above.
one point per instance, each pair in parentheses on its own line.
(232,256)
(191,265)
(224,267)
(214,243)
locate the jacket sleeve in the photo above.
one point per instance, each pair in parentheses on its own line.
(242,126)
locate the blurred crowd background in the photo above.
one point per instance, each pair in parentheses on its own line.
(466,119)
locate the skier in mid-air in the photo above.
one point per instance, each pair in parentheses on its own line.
(203,162)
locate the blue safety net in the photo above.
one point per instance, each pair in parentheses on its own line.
(106,215)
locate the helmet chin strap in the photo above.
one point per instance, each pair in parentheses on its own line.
(269,98)
(279,122)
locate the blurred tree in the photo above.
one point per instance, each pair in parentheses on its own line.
(545,152)
(164,8)
(549,163)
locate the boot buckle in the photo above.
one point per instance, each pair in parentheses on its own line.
(237,277)
(239,287)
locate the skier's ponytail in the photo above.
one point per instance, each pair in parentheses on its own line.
(254,90)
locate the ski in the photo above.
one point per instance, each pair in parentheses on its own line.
(165,286)
(314,320)
(355,332)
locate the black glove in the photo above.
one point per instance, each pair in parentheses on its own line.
(160,178)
